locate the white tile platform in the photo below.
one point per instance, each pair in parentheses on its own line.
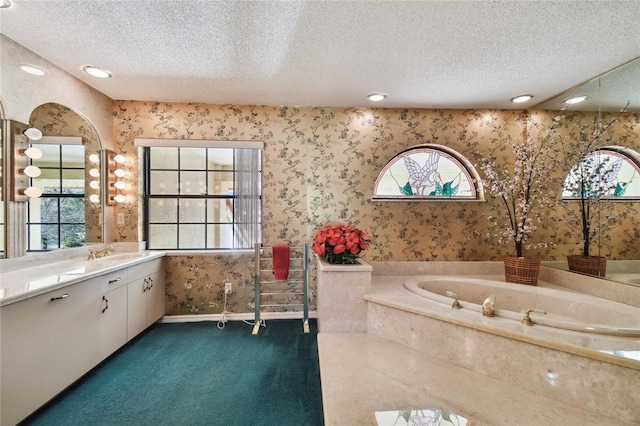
(362,373)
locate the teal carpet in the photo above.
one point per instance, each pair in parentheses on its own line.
(198,374)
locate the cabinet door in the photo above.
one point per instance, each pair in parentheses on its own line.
(155,298)
(113,321)
(137,307)
(48,342)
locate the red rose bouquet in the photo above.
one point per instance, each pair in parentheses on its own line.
(340,244)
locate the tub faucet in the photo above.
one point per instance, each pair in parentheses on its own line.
(487,306)
(526,320)
(456,303)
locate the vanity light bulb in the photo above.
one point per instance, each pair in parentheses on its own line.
(33,153)
(33,134)
(119,158)
(119,172)
(94,198)
(32,171)
(118,198)
(94,158)
(33,192)
(94,172)
(94,184)
(119,184)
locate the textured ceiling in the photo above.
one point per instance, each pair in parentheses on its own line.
(427,54)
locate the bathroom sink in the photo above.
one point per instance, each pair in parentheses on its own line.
(120,257)
(111,261)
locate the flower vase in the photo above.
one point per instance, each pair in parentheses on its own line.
(521,270)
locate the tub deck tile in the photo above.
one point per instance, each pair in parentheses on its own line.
(362,373)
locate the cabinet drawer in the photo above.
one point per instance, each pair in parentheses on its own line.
(111,280)
(142,270)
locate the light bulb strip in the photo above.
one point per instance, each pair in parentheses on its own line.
(21,169)
(114,178)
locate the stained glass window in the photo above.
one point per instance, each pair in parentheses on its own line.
(610,172)
(428,172)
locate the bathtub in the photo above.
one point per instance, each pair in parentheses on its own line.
(551,306)
(586,355)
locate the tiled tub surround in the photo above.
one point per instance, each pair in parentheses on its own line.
(576,368)
(32,275)
(339,310)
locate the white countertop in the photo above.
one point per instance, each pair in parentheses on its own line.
(29,281)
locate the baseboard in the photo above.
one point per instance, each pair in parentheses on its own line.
(235,317)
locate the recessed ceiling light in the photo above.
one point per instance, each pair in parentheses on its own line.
(5,3)
(96,72)
(521,98)
(575,99)
(377,97)
(32,69)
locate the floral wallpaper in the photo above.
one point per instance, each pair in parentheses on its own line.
(320,165)
(57,120)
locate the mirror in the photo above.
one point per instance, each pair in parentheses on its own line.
(67,165)
(609,93)
(2,214)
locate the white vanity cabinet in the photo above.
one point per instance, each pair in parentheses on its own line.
(145,296)
(48,342)
(113,311)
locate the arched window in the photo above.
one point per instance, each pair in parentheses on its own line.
(608,173)
(428,172)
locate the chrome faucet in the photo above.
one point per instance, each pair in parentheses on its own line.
(487,306)
(526,320)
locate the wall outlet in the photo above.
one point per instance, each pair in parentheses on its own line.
(120,218)
(227,287)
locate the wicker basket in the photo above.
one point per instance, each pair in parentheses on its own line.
(589,265)
(521,270)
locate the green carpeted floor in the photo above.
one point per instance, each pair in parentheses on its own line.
(198,374)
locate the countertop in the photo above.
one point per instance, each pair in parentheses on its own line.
(26,282)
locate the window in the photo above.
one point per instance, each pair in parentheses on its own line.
(428,172)
(608,173)
(57,218)
(202,197)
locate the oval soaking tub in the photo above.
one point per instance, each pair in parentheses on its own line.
(563,308)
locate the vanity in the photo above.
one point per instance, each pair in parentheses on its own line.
(61,319)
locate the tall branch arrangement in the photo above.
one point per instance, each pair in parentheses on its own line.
(519,172)
(588,178)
